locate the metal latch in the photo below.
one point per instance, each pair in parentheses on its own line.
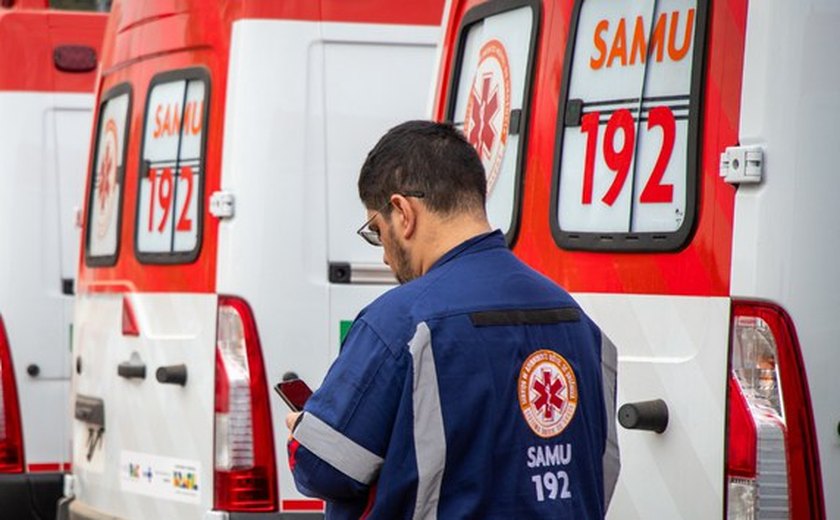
(222,204)
(742,164)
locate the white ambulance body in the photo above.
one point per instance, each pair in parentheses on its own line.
(219,249)
(671,163)
(47,71)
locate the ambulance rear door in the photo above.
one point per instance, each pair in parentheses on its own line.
(145,394)
(297,131)
(372,82)
(598,123)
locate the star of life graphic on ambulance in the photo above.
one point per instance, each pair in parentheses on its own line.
(548,393)
(107,183)
(487,118)
(625,133)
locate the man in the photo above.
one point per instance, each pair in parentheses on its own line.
(475,389)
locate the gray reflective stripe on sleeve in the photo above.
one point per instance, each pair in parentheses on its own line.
(429,439)
(611,461)
(338,451)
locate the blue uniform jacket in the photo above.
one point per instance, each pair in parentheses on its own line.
(479,390)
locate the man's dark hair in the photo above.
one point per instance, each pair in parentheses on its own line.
(428,157)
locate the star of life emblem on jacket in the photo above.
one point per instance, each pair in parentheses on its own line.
(548,393)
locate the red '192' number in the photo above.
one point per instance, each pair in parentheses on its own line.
(161,195)
(619,160)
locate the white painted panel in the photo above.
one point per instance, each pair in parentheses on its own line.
(43,142)
(146,423)
(672,348)
(785,244)
(311,113)
(374,79)
(71,127)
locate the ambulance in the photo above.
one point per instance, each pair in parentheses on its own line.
(219,253)
(48,61)
(670,162)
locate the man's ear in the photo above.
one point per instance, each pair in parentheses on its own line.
(403,216)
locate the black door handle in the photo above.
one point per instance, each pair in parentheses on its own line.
(130,370)
(645,415)
(172,375)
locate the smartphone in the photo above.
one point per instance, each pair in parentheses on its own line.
(294,392)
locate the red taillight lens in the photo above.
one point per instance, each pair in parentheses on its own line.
(772,465)
(11,436)
(245,476)
(741,449)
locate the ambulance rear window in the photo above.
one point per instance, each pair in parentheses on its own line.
(626,175)
(106,187)
(489,97)
(170,200)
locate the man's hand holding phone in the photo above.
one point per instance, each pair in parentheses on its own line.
(294,393)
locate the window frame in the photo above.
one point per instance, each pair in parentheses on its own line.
(113,92)
(641,242)
(177,257)
(471,17)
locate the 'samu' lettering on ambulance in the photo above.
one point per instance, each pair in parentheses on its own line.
(640,45)
(168,120)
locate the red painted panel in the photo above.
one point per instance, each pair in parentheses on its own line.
(44,467)
(303,505)
(28,39)
(415,12)
(703,267)
(129,274)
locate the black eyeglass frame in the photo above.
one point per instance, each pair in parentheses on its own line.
(372,237)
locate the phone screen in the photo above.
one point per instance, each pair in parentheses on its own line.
(294,392)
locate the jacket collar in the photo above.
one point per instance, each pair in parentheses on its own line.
(485,241)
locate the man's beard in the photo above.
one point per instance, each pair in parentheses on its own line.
(400,262)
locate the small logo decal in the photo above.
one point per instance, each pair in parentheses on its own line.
(106,179)
(548,392)
(487,118)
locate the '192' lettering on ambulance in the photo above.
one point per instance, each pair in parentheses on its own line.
(640,46)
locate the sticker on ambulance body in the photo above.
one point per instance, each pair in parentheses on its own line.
(487,118)
(107,183)
(490,98)
(161,477)
(625,135)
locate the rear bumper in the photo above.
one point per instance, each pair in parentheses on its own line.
(70,509)
(30,495)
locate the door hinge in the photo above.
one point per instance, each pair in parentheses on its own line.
(222,204)
(742,164)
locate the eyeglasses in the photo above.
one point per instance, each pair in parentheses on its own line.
(372,236)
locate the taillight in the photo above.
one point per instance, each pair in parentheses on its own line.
(11,436)
(772,464)
(245,476)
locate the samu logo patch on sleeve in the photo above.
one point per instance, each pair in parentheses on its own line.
(548,393)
